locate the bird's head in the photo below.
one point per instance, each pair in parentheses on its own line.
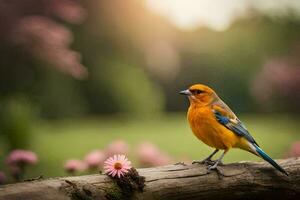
(200,94)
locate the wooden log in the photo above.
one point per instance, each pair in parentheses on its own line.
(244,180)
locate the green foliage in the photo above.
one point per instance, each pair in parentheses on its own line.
(132,91)
(60,96)
(16,119)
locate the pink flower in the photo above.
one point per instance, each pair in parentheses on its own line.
(94,159)
(162,159)
(116,147)
(2,177)
(19,156)
(74,165)
(70,11)
(49,41)
(294,150)
(117,165)
(150,155)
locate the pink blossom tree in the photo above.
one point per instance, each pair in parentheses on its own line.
(30,25)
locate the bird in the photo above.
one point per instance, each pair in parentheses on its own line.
(215,124)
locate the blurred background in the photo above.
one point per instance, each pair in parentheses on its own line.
(76,76)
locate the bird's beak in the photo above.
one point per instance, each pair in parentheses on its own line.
(185,92)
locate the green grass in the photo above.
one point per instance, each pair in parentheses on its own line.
(55,142)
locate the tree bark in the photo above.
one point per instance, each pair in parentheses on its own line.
(244,180)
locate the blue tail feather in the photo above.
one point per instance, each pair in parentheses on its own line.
(267,158)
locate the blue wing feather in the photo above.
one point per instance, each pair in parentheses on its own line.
(236,127)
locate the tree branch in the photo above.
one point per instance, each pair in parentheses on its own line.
(247,180)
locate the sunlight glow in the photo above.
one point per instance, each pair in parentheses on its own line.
(216,14)
(189,14)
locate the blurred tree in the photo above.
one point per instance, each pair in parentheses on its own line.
(276,87)
(111,48)
(135,58)
(60,96)
(229,60)
(29,25)
(31,36)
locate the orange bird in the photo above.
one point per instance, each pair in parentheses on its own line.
(214,123)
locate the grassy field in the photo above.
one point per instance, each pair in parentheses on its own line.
(55,142)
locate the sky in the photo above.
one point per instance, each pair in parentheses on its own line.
(216,14)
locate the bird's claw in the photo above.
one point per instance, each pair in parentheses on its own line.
(218,170)
(214,164)
(211,167)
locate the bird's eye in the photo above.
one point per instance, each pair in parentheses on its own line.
(196,91)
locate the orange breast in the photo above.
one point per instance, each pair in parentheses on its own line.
(206,128)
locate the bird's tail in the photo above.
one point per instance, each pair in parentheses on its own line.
(267,158)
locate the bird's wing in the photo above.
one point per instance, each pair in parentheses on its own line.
(227,118)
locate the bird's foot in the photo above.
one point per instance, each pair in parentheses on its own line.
(216,167)
(214,164)
(212,167)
